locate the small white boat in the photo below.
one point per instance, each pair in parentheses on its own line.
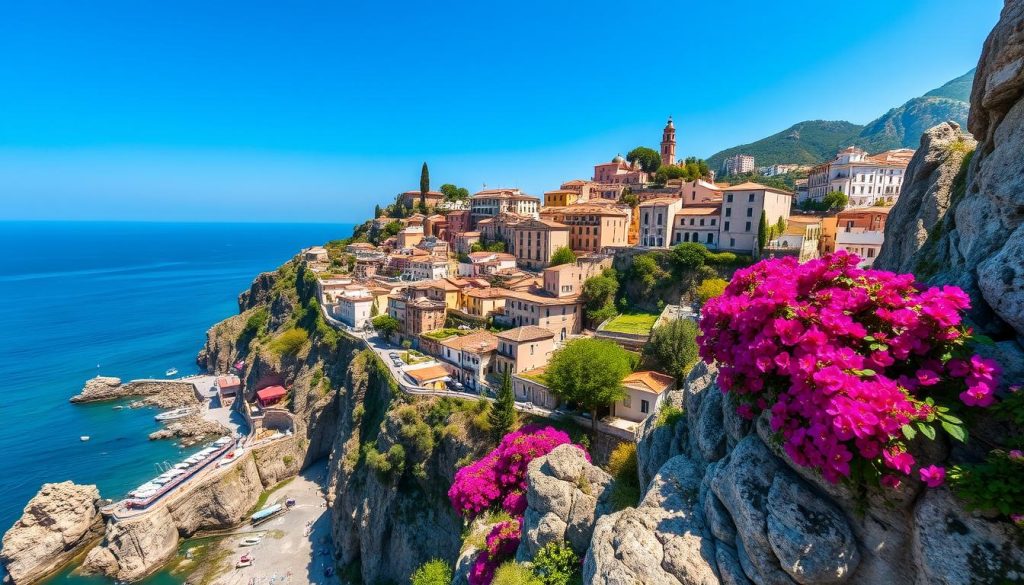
(84,438)
(171,372)
(174,414)
(181,466)
(251,541)
(245,561)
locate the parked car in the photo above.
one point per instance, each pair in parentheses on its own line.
(393,355)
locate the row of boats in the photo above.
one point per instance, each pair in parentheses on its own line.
(143,495)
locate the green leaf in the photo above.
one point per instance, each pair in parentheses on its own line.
(927,430)
(955,431)
(983,340)
(949,417)
(909,432)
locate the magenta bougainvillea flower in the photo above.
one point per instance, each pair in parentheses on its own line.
(848,362)
(499,478)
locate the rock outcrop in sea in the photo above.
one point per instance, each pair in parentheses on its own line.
(158,393)
(57,523)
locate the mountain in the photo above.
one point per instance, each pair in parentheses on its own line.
(816,141)
(806,143)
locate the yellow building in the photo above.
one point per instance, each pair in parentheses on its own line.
(560,198)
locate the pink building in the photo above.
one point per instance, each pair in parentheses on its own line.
(458,222)
(619,172)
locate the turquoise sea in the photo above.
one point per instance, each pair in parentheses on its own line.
(118,299)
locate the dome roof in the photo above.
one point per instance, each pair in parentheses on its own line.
(618,158)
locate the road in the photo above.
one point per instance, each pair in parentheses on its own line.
(287,554)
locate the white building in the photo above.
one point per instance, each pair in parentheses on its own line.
(867,180)
(483,263)
(741,214)
(352,306)
(697,223)
(426,268)
(656,219)
(738,164)
(492,202)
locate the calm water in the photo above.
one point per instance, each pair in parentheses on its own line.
(118,299)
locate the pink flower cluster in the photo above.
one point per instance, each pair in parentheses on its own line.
(502,542)
(842,358)
(499,478)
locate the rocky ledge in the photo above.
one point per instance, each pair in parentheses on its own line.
(158,393)
(56,524)
(190,430)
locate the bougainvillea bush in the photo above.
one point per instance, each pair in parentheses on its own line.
(851,364)
(498,480)
(502,542)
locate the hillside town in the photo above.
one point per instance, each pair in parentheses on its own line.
(472,287)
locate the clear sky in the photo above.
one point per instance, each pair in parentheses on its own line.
(314,111)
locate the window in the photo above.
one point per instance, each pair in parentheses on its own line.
(726,226)
(871,252)
(732,242)
(750,212)
(645,406)
(750,198)
(713,220)
(748,226)
(710,238)
(701,221)
(728,198)
(686,237)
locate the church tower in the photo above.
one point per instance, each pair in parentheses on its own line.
(668,144)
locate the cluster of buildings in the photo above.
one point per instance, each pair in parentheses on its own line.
(471,286)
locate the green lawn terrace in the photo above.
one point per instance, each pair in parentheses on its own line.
(447,332)
(639,324)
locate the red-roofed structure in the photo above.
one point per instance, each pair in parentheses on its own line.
(270,395)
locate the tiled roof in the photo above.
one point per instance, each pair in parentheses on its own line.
(428,373)
(648,381)
(695,210)
(526,333)
(479,342)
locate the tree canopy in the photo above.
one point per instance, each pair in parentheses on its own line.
(691,169)
(836,200)
(563,255)
(589,372)
(762,232)
(648,158)
(385,324)
(599,296)
(502,415)
(673,347)
(453,193)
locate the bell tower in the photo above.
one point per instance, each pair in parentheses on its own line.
(668,143)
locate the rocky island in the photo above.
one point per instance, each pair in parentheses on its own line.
(158,393)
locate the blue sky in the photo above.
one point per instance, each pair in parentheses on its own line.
(314,111)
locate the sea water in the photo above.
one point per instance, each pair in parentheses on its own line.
(130,300)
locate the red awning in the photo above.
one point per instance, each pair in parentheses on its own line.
(271,394)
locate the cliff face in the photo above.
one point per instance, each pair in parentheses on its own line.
(132,549)
(979,243)
(56,524)
(391,513)
(727,506)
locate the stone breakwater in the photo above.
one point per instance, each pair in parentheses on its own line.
(158,393)
(57,523)
(190,430)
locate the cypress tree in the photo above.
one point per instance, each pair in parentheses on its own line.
(503,412)
(424,185)
(762,233)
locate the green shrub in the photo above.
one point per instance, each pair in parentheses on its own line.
(288,460)
(622,465)
(668,415)
(557,564)
(256,324)
(710,289)
(289,342)
(512,574)
(435,572)
(721,258)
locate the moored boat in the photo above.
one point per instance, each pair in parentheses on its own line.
(174,414)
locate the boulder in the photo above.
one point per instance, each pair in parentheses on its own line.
(661,542)
(925,197)
(565,495)
(954,547)
(134,547)
(99,388)
(56,524)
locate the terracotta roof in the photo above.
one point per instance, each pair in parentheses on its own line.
(479,342)
(428,373)
(526,333)
(648,381)
(695,210)
(486,293)
(541,300)
(228,381)
(750,186)
(591,209)
(660,201)
(540,224)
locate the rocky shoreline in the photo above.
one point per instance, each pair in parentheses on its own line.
(56,525)
(158,393)
(191,430)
